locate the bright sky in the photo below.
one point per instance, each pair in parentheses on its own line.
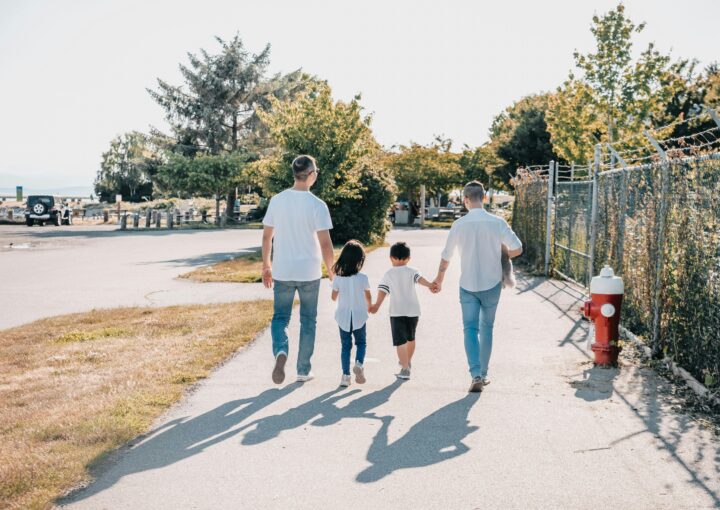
(73,73)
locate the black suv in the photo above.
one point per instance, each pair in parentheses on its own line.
(42,208)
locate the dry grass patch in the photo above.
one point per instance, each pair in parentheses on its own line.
(245,268)
(76,386)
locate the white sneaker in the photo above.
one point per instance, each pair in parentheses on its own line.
(359,372)
(404,373)
(345,381)
(486,380)
(306,377)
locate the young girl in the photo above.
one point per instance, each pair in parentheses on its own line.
(351,289)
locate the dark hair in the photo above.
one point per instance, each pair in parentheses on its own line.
(474,191)
(400,251)
(351,259)
(303,166)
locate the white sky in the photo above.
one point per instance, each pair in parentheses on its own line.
(73,73)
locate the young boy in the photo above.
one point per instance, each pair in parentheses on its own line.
(400,282)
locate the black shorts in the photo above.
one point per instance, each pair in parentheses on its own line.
(403,329)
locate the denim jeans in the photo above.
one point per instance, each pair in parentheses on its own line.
(284,297)
(360,345)
(478,313)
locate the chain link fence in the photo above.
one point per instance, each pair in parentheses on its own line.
(657,224)
(529,214)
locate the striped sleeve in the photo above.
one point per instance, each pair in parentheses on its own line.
(416,276)
(384,285)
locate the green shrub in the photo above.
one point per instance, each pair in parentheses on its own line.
(353,180)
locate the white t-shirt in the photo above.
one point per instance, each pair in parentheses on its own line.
(351,304)
(399,282)
(479,237)
(297,216)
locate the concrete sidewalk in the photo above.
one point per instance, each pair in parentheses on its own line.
(86,267)
(549,432)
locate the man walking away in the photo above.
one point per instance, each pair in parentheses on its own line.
(479,237)
(297,233)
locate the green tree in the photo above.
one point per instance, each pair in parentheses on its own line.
(614,95)
(480,164)
(519,136)
(215,110)
(433,165)
(696,91)
(352,178)
(127,169)
(204,175)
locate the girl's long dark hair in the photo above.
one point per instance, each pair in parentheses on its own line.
(351,259)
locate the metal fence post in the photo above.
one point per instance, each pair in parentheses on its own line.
(548,219)
(622,210)
(422,206)
(593,213)
(123,221)
(158,218)
(169,219)
(148,217)
(660,256)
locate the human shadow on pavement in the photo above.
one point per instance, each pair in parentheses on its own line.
(178,439)
(207,258)
(435,438)
(322,407)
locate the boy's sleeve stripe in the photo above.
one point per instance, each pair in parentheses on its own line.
(384,288)
(416,277)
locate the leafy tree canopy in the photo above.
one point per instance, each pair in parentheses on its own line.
(127,168)
(352,178)
(614,94)
(215,110)
(433,165)
(519,136)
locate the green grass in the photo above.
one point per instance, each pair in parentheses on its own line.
(245,268)
(75,387)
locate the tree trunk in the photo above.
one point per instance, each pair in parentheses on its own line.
(611,139)
(217,208)
(230,205)
(232,194)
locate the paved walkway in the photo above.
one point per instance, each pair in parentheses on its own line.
(57,270)
(550,432)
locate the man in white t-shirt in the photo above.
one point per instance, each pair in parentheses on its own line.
(296,232)
(479,237)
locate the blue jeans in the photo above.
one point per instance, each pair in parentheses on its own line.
(478,312)
(360,345)
(284,297)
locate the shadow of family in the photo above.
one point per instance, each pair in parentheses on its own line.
(435,438)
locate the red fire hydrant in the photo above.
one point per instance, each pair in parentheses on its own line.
(606,294)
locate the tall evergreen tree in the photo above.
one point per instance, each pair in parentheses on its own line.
(215,110)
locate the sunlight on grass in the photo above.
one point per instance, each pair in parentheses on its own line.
(74,387)
(245,268)
(86,336)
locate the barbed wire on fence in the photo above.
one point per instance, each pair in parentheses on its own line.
(652,212)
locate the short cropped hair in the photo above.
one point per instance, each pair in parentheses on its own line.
(303,166)
(400,251)
(474,191)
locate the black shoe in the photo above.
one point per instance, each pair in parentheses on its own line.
(278,373)
(476,386)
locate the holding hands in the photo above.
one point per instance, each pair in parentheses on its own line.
(435,286)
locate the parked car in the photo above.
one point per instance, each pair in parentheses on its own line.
(43,208)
